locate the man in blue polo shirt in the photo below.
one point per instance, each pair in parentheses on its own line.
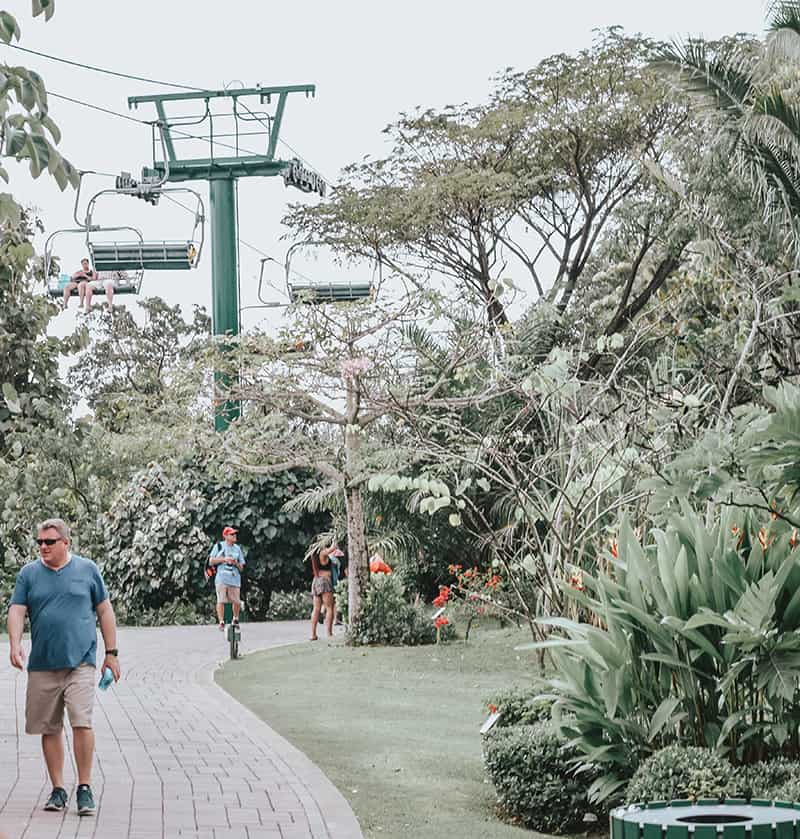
(228,559)
(64,596)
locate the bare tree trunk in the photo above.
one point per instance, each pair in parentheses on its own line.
(358,567)
(358,562)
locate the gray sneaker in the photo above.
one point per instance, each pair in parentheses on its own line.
(57,801)
(86,805)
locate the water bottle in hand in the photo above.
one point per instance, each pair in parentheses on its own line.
(106,679)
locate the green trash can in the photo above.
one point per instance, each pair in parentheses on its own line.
(733,818)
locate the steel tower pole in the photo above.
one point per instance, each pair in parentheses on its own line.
(224,285)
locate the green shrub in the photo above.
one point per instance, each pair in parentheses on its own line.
(769,778)
(341,601)
(159,531)
(519,706)
(176,614)
(684,772)
(387,618)
(535,782)
(694,639)
(789,791)
(289,606)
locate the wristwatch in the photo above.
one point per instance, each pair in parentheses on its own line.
(112,652)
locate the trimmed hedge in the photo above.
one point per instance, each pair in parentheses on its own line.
(535,780)
(519,706)
(684,772)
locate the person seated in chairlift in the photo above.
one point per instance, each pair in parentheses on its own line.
(107,281)
(81,280)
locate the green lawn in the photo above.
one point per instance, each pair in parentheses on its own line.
(396,729)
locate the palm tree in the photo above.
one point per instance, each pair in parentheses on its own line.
(759,116)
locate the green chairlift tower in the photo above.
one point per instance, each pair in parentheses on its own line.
(220,126)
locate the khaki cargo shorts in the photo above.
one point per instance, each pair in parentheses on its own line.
(228,594)
(51,691)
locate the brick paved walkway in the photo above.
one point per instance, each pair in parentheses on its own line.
(176,755)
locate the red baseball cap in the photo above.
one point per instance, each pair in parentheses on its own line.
(229,531)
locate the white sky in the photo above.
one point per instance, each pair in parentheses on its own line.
(369,61)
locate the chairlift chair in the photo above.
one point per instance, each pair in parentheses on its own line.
(310,291)
(124,282)
(124,262)
(330,292)
(141,255)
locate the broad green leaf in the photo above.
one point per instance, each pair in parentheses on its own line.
(11,398)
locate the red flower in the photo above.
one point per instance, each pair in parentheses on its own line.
(576,581)
(454,569)
(614,550)
(492,708)
(440,622)
(439,601)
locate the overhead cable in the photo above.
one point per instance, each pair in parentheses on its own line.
(85,66)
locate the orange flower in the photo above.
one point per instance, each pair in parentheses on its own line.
(614,549)
(763,540)
(444,596)
(492,708)
(440,622)
(454,569)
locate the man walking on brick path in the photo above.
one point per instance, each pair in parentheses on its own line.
(62,593)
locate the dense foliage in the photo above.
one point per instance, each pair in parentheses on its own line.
(535,780)
(159,532)
(684,772)
(388,618)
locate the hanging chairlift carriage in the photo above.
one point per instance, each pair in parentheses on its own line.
(123,262)
(311,291)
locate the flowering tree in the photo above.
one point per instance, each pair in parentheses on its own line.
(319,395)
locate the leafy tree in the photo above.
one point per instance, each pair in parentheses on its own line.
(26,129)
(751,89)
(160,529)
(322,408)
(28,358)
(126,371)
(530,182)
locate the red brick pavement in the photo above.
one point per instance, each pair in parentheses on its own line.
(176,755)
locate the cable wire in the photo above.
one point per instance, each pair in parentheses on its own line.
(85,66)
(97,108)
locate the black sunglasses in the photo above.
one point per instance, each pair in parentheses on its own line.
(47,542)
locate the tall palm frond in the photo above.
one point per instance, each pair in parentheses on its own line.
(725,80)
(783,25)
(763,124)
(322,499)
(769,154)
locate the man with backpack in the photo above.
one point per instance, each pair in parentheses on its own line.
(225,564)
